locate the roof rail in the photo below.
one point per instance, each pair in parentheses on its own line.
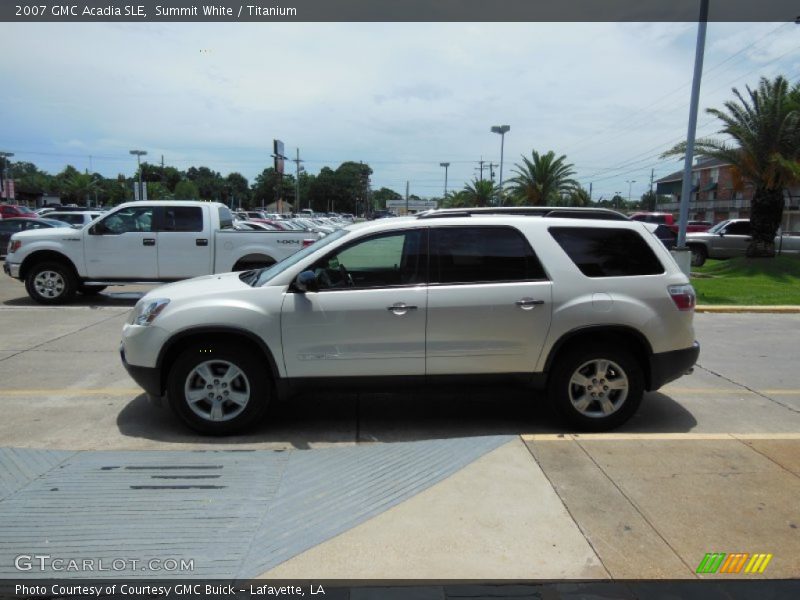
(532,211)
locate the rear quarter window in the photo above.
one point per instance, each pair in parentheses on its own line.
(607,252)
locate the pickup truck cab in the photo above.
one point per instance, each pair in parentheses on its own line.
(142,242)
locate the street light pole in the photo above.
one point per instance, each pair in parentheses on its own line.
(502,130)
(4,183)
(139,154)
(630,183)
(445,165)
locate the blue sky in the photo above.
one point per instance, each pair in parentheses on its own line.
(401,96)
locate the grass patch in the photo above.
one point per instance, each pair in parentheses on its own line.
(749,281)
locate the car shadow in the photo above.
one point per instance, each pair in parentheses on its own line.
(128,298)
(345,418)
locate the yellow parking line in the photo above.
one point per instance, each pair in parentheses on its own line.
(73,392)
(571,437)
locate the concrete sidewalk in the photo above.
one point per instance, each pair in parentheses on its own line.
(606,506)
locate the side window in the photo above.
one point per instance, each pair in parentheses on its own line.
(607,252)
(126,220)
(385,260)
(738,228)
(72,219)
(481,255)
(225,218)
(182,218)
(34,225)
(12,227)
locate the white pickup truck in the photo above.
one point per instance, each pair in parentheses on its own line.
(142,242)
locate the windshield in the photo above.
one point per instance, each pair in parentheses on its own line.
(25,210)
(265,275)
(716,228)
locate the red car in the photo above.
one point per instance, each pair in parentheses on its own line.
(7,211)
(670,221)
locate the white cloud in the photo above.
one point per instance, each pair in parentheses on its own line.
(401,96)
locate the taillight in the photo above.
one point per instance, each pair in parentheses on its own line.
(307,243)
(14,246)
(683,296)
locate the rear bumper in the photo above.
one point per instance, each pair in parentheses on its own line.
(668,366)
(149,378)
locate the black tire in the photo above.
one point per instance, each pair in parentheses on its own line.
(91,290)
(566,396)
(699,255)
(232,417)
(51,283)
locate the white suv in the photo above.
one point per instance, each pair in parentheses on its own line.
(593,311)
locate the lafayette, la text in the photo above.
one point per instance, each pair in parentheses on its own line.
(196,589)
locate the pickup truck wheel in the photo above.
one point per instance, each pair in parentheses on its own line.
(51,283)
(699,256)
(218,390)
(596,388)
(90,290)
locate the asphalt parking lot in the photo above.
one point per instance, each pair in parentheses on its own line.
(711,463)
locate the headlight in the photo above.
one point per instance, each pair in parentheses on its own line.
(146,312)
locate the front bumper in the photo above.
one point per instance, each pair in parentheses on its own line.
(11,269)
(149,378)
(668,366)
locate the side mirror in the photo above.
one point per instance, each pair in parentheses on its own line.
(97,229)
(306,282)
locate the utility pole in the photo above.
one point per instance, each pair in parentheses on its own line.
(139,154)
(406,197)
(5,188)
(297,162)
(652,199)
(686,184)
(590,191)
(480,162)
(445,165)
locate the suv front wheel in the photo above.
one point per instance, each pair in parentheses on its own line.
(218,389)
(596,388)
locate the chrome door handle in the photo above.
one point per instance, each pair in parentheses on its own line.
(400,308)
(528,303)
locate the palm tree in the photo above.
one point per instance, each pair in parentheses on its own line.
(542,180)
(479,192)
(765,127)
(579,197)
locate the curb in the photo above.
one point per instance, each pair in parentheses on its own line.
(732,308)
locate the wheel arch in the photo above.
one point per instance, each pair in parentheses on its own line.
(619,335)
(205,336)
(252,259)
(46,256)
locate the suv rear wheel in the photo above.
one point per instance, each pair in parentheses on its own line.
(596,388)
(218,390)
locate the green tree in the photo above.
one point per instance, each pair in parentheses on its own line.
(209,183)
(382,195)
(479,192)
(764,125)
(236,191)
(541,181)
(648,201)
(80,188)
(265,183)
(186,190)
(578,197)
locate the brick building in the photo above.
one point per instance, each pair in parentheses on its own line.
(714,197)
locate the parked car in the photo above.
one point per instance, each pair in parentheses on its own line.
(76,218)
(595,312)
(665,235)
(150,241)
(670,221)
(731,238)
(9,227)
(253,226)
(10,211)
